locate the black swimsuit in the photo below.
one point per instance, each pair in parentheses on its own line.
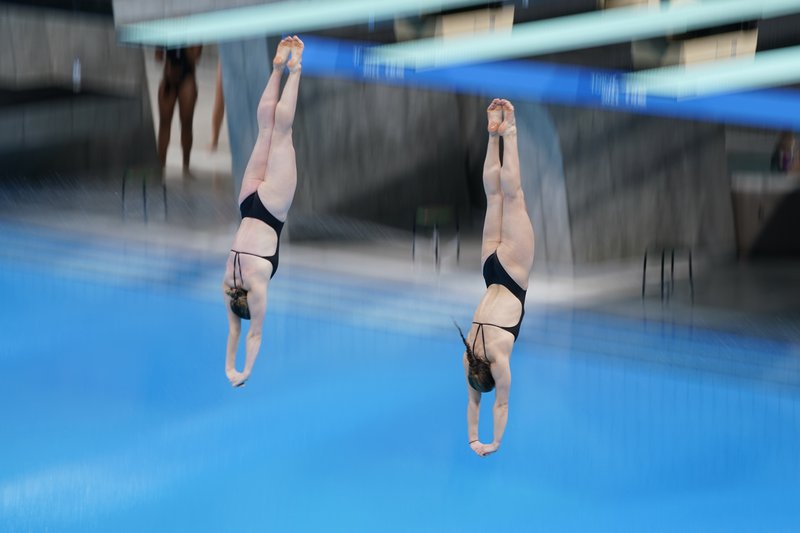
(495,274)
(181,67)
(252,207)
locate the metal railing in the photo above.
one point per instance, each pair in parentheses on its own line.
(131,175)
(435,217)
(668,286)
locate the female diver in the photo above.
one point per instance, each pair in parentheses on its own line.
(268,187)
(507,258)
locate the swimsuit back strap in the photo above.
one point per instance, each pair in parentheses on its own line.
(237,261)
(483,337)
(480,324)
(271,258)
(237,252)
(510,329)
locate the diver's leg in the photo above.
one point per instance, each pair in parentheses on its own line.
(218,112)
(516,240)
(277,191)
(256,168)
(491,184)
(167,97)
(187,99)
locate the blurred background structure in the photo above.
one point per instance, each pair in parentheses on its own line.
(616,160)
(662,175)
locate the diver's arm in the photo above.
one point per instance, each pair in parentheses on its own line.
(501,371)
(234,330)
(257,302)
(473,410)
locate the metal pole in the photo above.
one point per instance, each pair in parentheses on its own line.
(644,273)
(144,196)
(164,194)
(691,278)
(436,245)
(458,240)
(672,273)
(414,239)
(124,178)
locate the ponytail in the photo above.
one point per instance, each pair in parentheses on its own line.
(479,375)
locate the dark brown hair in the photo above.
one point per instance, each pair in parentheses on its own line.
(239,302)
(479,375)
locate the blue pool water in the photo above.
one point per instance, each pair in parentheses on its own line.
(117,415)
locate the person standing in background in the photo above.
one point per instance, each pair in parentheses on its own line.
(218,112)
(785,155)
(178,86)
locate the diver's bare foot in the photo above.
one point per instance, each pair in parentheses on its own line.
(295,63)
(495,114)
(509,124)
(282,53)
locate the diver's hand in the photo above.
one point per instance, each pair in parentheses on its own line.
(236,378)
(477,447)
(484,449)
(489,449)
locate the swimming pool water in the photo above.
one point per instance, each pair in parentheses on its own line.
(117,415)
